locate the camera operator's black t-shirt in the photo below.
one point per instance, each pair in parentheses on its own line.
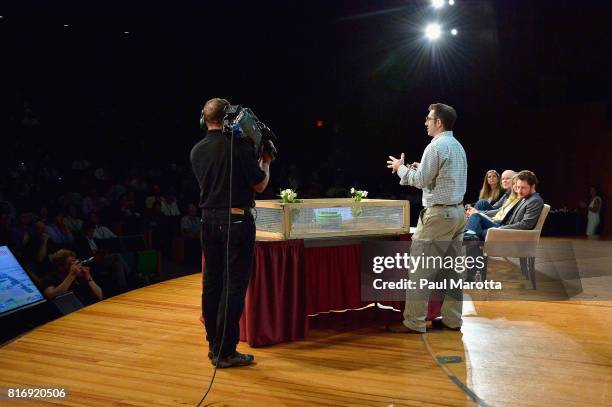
(210,161)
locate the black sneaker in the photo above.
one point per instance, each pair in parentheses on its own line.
(235,360)
(438,323)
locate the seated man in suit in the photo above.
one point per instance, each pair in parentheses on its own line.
(523,214)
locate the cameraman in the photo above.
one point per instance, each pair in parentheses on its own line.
(211,161)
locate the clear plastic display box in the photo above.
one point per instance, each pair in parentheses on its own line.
(331,217)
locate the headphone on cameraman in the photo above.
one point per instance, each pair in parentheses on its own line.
(202,121)
(236,131)
(203,125)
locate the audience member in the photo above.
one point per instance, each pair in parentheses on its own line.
(130,219)
(158,224)
(58,232)
(100,174)
(110,268)
(594,208)
(22,232)
(43,215)
(156,197)
(115,192)
(79,165)
(91,203)
(169,206)
(100,231)
(67,274)
(7,207)
(138,184)
(36,250)
(190,223)
(73,221)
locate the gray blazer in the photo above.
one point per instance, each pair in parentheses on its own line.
(525,214)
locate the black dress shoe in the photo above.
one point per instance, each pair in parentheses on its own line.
(401,328)
(471,237)
(235,360)
(438,323)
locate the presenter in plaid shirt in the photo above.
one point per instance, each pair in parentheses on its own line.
(441,175)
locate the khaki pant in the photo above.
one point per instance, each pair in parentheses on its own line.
(439,232)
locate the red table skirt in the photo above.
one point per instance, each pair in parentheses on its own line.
(275,303)
(290,282)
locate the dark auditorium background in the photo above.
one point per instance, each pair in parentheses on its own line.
(342,83)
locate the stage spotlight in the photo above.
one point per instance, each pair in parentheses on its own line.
(454,31)
(437,3)
(433,31)
(66,25)
(451,2)
(126,32)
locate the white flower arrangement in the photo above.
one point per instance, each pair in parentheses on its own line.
(358,195)
(289,196)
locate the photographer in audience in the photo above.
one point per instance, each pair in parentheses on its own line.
(68,274)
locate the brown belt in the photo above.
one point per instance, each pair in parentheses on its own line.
(449,205)
(233,211)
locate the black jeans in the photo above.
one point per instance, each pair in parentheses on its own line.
(216,290)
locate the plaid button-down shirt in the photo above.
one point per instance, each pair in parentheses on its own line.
(442,174)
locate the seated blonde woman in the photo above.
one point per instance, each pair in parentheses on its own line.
(495,190)
(479,222)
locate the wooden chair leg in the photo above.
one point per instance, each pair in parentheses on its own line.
(532,270)
(524,269)
(484,269)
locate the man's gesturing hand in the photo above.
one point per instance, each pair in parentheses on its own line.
(394,163)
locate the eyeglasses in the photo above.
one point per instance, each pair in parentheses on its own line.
(427,118)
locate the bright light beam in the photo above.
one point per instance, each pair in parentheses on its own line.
(451,2)
(433,31)
(437,3)
(454,31)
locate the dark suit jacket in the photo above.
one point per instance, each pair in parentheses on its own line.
(525,214)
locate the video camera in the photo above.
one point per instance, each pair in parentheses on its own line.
(242,123)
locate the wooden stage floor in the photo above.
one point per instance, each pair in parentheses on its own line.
(147,348)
